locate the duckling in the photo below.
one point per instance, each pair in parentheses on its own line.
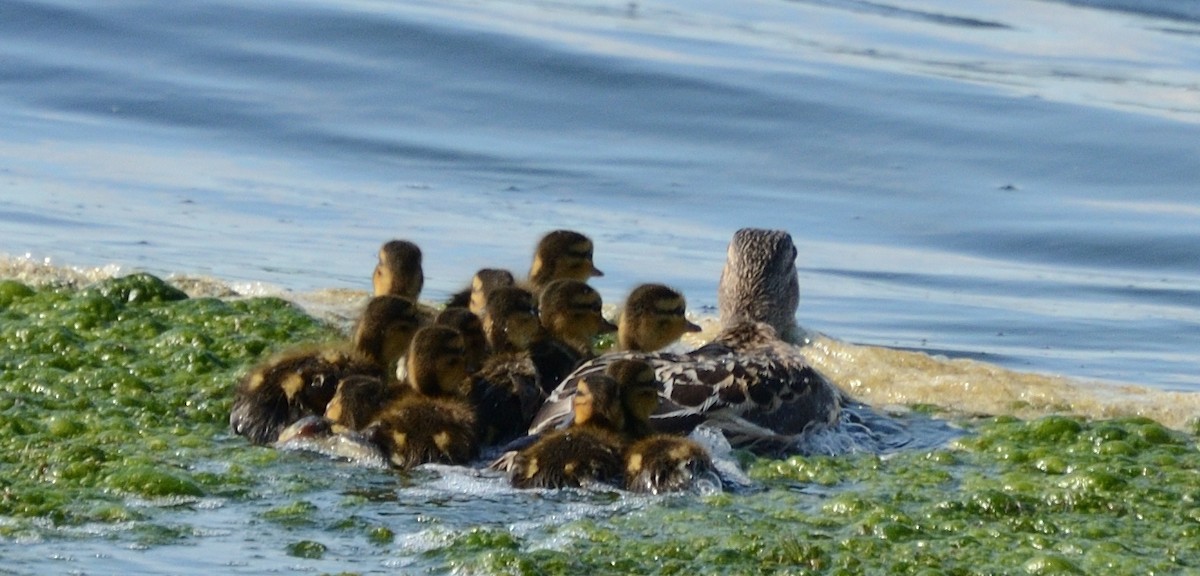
(474,297)
(302,380)
(589,450)
(654,462)
(399,270)
(471,328)
(510,320)
(505,391)
(562,254)
(358,400)
(759,282)
(653,318)
(667,463)
(639,395)
(757,388)
(571,319)
(571,312)
(433,422)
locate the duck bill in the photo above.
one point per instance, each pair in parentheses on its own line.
(596,271)
(606,327)
(692,326)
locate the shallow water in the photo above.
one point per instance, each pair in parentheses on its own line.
(1003,185)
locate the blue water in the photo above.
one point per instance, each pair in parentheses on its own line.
(1009,180)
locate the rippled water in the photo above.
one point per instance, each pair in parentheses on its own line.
(1010,181)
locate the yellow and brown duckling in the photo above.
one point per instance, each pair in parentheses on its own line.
(562,254)
(654,462)
(590,450)
(433,422)
(470,326)
(654,316)
(301,381)
(667,463)
(571,319)
(399,270)
(474,297)
(506,390)
(572,312)
(510,320)
(753,385)
(359,400)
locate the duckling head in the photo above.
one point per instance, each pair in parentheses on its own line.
(399,270)
(759,282)
(638,387)
(437,365)
(571,312)
(653,317)
(510,320)
(471,328)
(597,402)
(484,282)
(562,254)
(386,328)
(357,401)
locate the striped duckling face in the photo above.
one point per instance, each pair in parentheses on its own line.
(357,401)
(639,389)
(437,364)
(399,270)
(597,402)
(572,312)
(510,320)
(654,316)
(562,254)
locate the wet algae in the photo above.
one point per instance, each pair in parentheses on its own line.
(119,393)
(119,390)
(1056,495)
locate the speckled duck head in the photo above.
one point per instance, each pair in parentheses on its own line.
(399,270)
(653,317)
(572,312)
(759,282)
(510,320)
(386,328)
(437,365)
(562,254)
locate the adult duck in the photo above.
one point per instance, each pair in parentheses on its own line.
(752,384)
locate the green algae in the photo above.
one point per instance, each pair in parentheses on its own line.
(118,390)
(1049,496)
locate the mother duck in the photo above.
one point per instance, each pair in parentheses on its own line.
(751,381)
